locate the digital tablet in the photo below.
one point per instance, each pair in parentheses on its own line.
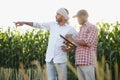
(68,40)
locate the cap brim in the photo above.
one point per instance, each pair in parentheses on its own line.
(75,16)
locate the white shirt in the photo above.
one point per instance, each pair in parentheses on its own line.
(54,50)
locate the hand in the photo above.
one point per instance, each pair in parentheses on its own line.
(66,42)
(69,37)
(63,49)
(19,24)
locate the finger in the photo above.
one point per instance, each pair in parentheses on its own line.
(15,24)
(69,35)
(66,35)
(62,46)
(64,50)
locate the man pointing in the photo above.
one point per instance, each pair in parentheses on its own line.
(56,58)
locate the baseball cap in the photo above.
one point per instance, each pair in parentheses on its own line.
(81,13)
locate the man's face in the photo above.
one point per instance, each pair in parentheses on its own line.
(59,18)
(82,19)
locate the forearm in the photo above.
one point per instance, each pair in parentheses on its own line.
(80,42)
(28,23)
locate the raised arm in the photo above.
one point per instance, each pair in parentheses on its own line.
(45,26)
(23,23)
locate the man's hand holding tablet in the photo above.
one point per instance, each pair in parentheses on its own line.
(69,45)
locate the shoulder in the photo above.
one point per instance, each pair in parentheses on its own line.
(92,26)
(71,29)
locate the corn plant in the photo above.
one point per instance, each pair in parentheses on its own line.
(109,44)
(30,48)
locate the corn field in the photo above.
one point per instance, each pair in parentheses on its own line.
(22,56)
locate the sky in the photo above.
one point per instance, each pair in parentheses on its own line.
(45,10)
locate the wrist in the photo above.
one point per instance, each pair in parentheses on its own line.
(73,41)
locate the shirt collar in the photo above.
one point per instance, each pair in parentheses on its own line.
(86,23)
